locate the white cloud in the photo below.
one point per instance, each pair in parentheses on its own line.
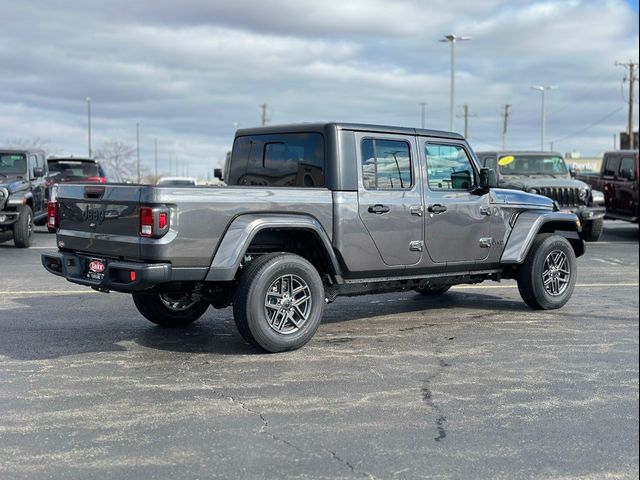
(188,71)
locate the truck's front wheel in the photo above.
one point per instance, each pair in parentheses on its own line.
(548,275)
(279,302)
(592,230)
(23,228)
(170,310)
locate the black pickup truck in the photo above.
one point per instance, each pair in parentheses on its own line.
(312,212)
(23,193)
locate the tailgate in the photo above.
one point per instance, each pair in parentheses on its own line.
(101,219)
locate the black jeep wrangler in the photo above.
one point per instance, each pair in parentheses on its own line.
(546,173)
(23,193)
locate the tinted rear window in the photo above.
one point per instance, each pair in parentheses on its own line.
(278,160)
(71,169)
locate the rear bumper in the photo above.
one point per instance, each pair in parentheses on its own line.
(118,276)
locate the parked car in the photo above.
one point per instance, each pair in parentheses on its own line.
(81,170)
(545,173)
(618,180)
(176,182)
(375,220)
(23,193)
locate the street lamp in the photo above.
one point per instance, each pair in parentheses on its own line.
(542,89)
(453,39)
(89,123)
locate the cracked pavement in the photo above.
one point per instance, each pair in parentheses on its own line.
(470,385)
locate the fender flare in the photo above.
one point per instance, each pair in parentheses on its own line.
(19,198)
(243,230)
(529,224)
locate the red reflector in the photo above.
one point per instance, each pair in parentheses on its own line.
(52,215)
(162,220)
(132,276)
(146,222)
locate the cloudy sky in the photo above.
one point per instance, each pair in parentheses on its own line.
(191,71)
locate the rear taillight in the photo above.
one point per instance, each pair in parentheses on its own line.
(97,179)
(52,215)
(146,222)
(154,222)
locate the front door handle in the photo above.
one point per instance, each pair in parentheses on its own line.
(485,211)
(378,209)
(436,209)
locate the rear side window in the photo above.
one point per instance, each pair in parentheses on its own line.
(628,169)
(386,164)
(278,160)
(610,167)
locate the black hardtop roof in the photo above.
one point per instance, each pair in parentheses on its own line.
(621,152)
(361,127)
(519,152)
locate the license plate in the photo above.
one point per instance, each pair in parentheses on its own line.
(96,268)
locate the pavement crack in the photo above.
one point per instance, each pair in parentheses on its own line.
(338,458)
(265,428)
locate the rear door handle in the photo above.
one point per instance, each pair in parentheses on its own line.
(378,209)
(436,209)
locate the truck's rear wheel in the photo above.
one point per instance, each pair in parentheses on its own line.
(279,302)
(23,228)
(547,277)
(592,230)
(170,310)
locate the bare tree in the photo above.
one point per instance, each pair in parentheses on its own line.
(119,156)
(28,143)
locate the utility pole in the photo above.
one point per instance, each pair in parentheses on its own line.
(423,105)
(505,125)
(263,117)
(138,149)
(631,76)
(155,160)
(466,115)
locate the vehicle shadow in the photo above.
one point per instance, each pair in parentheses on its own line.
(620,231)
(54,334)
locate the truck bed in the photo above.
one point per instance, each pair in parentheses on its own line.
(104,220)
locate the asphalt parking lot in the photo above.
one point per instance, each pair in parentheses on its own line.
(470,385)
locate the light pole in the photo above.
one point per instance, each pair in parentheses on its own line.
(423,112)
(138,149)
(543,120)
(89,123)
(453,39)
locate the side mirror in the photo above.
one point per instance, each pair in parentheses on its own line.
(38,172)
(217,172)
(488,179)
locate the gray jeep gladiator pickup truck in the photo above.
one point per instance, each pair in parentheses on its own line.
(312,212)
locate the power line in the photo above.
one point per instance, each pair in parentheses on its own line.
(630,68)
(582,130)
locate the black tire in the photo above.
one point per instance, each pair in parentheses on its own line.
(154,309)
(592,230)
(433,291)
(270,276)
(531,285)
(23,228)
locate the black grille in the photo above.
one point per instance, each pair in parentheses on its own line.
(565,196)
